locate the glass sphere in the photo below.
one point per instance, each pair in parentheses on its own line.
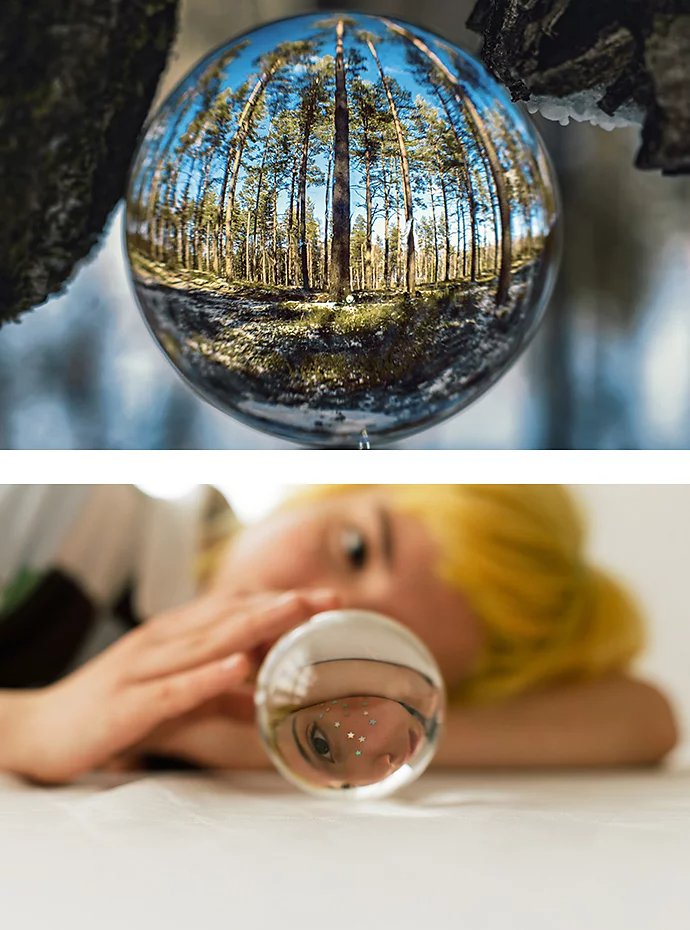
(350,700)
(340,222)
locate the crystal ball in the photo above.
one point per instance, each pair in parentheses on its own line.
(350,704)
(340,222)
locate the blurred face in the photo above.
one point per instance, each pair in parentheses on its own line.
(330,747)
(373,556)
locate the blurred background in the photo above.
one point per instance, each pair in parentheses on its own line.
(609,368)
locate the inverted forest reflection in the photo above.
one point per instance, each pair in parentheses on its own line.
(348,229)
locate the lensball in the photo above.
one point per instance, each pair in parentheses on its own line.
(340,222)
(350,704)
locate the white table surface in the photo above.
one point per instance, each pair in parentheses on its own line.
(198,852)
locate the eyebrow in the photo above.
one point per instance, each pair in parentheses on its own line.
(386,536)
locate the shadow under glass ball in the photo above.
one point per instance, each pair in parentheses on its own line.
(351,701)
(340,222)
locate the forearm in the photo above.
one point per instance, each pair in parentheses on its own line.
(15,709)
(613,721)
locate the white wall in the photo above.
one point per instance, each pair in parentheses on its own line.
(642,532)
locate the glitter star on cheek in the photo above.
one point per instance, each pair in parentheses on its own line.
(362,738)
(350,735)
(358,753)
(372,723)
(337,723)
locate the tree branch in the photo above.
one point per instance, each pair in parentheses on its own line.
(76,81)
(631,57)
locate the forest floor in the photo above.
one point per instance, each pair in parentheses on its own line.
(315,371)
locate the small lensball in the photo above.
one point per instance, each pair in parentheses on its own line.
(350,704)
(340,222)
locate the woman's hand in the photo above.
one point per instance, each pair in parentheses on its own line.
(161,671)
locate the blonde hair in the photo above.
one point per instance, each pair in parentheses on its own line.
(516,552)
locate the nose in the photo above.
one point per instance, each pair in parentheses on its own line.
(386,763)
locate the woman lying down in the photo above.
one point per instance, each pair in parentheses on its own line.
(131,629)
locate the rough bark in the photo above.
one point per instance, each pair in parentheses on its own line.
(340,245)
(633,54)
(410,272)
(76,81)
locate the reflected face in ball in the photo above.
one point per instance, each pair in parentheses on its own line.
(351,699)
(340,222)
(338,748)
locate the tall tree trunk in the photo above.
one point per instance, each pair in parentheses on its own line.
(302,186)
(275,230)
(325,221)
(257,199)
(465,104)
(386,211)
(433,220)
(461,219)
(247,252)
(184,219)
(340,249)
(367,250)
(469,189)
(494,214)
(405,167)
(398,252)
(240,139)
(442,182)
(289,226)
(159,163)
(200,202)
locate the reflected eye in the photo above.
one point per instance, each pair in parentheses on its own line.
(319,743)
(356,548)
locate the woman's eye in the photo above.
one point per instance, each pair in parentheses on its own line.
(319,744)
(355,548)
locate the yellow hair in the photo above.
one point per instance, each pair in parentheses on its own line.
(516,552)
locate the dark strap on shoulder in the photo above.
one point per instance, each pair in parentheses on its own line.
(41,636)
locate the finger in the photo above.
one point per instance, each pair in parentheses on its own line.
(169,697)
(239,633)
(215,605)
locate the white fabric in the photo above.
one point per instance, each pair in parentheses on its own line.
(101,536)
(166,552)
(193,852)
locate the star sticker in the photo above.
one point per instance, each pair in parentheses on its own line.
(372,722)
(365,703)
(350,735)
(362,739)
(328,710)
(344,705)
(358,753)
(320,716)
(334,702)
(337,723)
(365,713)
